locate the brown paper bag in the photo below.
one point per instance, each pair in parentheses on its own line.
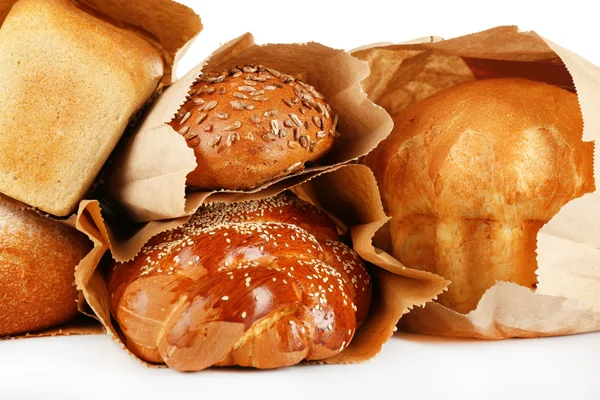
(567,298)
(396,289)
(151,169)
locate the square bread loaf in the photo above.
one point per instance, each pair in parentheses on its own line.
(69,84)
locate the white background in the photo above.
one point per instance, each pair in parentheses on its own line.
(410,367)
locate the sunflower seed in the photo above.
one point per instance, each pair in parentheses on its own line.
(232,127)
(271,113)
(210,90)
(317,121)
(246,89)
(275,127)
(312,146)
(288,102)
(302,111)
(240,95)
(296,120)
(321,134)
(222,90)
(249,82)
(270,87)
(237,105)
(208,128)
(287,79)
(296,133)
(200,118)
(216,79)
(323,110)
(304,141)
(248,68)
(292,144)
(299,91)
(189,136)
(293,166)
(248,106)
(250,136)
(210,106)
(198,101)
(308,103)
(287,123)
(237,74)
(274,72)
(222,115)
(215,141)
(282,132)
(335,122)
(184,130)
(232,138)
(268,137)
(295,100)
(255,119)
(306,125)
(257,93)
(260,98)
(185,117)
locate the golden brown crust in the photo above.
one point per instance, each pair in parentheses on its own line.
(65,102)
(472,173)
(242,284)
(250,125)
(37,266)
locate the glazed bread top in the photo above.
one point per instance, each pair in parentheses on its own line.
(261,283)
(250,125)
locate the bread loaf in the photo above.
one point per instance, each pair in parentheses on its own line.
(252,124)
(470,175)
(261,284)
(70,84)
(38,257)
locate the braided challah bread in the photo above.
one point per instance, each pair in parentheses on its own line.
(261,283)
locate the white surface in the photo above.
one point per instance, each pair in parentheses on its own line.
(410,367)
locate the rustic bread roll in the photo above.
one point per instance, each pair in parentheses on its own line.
(70,83)
(472,173)
(251,125)
(37,265)
(261,284)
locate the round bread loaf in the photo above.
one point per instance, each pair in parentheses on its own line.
(470,175)
(37,265)
(251,125)
(262,284)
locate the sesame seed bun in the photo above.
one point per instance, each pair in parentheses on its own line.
(250,125)
(470,175)
(37,265)
(261,283)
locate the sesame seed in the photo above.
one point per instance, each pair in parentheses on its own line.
(225,298)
